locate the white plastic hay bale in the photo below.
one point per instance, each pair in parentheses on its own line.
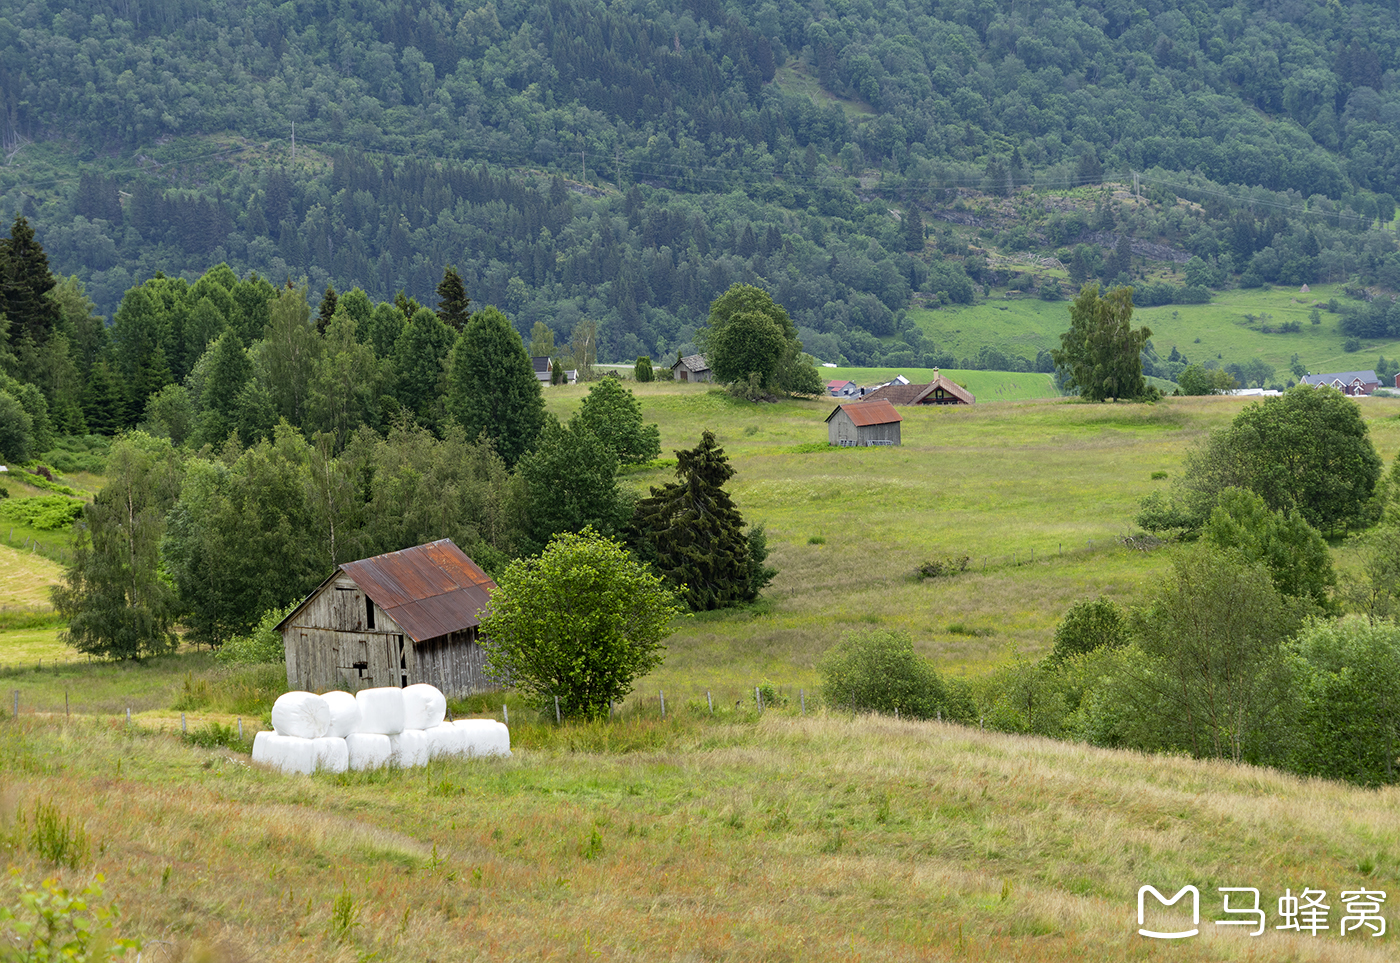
(424,706)
(368,750)
(381,710)
(345,713)
(445,742)
(484,737)
(304,715)
(332,754)
(289,754)
(410,748)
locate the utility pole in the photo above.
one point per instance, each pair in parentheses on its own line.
(1137,188)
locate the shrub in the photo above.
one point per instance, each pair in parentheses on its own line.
(643,371)
(263,644)
(52,923)
(1090,624)
(878,671)
(47,513)
(940,567)
(212,735)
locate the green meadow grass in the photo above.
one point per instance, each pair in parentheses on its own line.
(849,527)
(734,838)
(1202,332)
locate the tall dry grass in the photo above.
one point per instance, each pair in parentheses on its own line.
(781,837)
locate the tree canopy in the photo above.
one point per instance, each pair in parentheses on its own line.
(750,338)
(579,622)
(492,388)
(1100,356)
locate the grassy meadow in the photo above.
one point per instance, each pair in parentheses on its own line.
(789,835)
(785,837)
(1203,332)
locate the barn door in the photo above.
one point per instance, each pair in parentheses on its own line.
(352,665)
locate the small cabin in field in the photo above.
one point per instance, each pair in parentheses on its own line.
(693,367)
(392,620)
(863,423)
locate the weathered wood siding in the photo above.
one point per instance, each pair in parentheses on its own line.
(454,663)
(840,430)
(878,434)
(330,645)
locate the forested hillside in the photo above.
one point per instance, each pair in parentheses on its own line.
(627,162)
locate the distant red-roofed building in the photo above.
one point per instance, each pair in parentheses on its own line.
(843,389)
(863,423)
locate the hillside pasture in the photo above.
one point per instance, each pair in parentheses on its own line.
(781,837)
(1218,331)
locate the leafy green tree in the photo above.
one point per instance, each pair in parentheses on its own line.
(748,334)
(420,359)
(1090,625)
(570,483)
(16,430)
(1197,380)
(1216,682)
(492,388)
(345,383)
(879,671)
(170,414)
(228,370)
(581,621)
(1294,553)
(454,307)
(614,416)
(1349,718)
(643,371)
(692,533)
(1372,588)
(113,596)
(1100,355)
(912,229)
(287,358)
(541,341)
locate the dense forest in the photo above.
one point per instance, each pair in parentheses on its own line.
(627,162)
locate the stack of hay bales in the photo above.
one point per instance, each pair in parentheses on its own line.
(372,728)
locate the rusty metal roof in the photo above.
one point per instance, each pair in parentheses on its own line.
(864,413)
(429,590)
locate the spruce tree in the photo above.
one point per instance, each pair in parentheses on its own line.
(693,535)
(419,357)
(25,282)
(492,388)
(328,305)
(453,303)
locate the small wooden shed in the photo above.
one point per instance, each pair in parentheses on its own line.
(863,423)
(392,620)
(693,367)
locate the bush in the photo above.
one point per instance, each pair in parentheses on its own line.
(939,567)
(643,371)
(47,513)
(52,923)
(1089,625)
(263,644)
(878,671)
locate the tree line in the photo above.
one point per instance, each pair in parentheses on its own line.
(216,512)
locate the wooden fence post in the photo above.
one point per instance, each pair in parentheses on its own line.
(710,699)
(662,694)
(556,710)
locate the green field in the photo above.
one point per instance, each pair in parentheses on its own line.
(733,836)
(1202,332)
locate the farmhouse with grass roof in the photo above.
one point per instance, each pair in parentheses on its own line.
(392,620)
(863,423)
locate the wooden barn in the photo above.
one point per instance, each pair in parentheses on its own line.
(863,423)
(392,620)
